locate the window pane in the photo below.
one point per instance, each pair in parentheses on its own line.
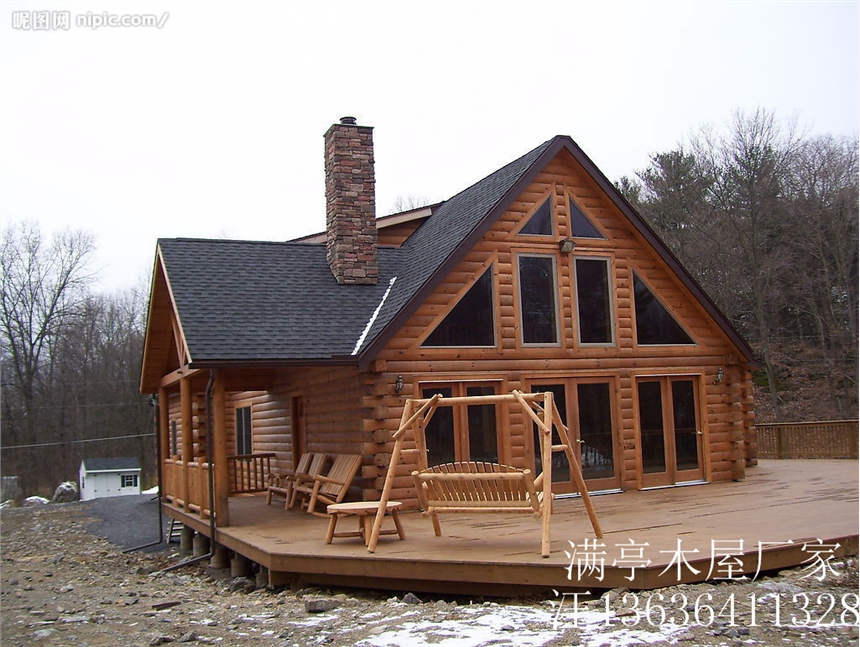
(560,464)
(482,427)
(580,225)
(654,324)
(651,427)
(592,300)
(470,322)
(540,224)
(595,430)
(686,425)
(243,430)
(439,433)
(537,300)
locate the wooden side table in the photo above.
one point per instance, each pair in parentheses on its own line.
(366,512)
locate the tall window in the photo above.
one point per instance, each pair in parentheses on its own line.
(593,301)
(537,300)
(243,430)
(470,322)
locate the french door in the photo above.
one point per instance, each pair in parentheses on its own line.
(586,408)
(670,431)
(461,433)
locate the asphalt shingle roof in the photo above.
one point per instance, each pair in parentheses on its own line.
(246,301)
(111,464)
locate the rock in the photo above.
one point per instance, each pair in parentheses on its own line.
(319,605)
(188,637)
(411,598)
(242,585)
(8,503)
(35,500)
(66,492)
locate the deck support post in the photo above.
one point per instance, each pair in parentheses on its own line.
(200,545)
(240,566)
(220,557)
(186,540)
(262,577)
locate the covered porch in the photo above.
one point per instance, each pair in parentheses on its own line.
(785,513)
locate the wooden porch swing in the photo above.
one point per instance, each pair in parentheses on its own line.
(478,486)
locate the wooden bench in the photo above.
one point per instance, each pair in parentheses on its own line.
(365,511)
(480,487)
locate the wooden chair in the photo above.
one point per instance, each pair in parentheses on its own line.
(329,488)
(310,464)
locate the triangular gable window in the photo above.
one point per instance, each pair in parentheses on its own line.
(580,224)
(470,322)
(655,325)
(540,224)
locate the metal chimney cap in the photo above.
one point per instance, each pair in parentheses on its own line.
(347,121)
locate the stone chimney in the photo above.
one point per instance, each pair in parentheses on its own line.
(351,236)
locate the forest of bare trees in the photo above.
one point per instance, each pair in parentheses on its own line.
(70,362)
(765,218)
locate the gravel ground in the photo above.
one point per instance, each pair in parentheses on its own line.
(67,581)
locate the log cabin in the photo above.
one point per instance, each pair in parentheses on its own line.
(539,277)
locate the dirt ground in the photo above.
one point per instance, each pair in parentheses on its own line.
(63,585)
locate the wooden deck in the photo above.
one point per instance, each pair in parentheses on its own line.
(801,501)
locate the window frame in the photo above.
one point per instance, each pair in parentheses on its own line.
(245,434)
(609,265)
(487,271)
(553,258)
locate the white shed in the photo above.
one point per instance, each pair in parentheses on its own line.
(103,477)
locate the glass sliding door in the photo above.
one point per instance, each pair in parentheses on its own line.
(670,431)
(586,407)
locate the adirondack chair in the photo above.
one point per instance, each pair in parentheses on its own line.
(310,464)
(326,489)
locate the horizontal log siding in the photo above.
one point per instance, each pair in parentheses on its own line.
(727,407)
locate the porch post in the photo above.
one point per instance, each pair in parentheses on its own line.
(164,423)
(187,436)
(218,462)
(164,433)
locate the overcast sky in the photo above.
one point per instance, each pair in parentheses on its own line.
(211,125)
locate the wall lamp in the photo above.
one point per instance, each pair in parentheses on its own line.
(719,378)
(566,245)
(398,385)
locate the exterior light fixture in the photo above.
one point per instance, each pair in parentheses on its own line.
(566,245)
(719,378)
(398,385)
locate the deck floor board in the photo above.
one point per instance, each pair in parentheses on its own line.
(780,500)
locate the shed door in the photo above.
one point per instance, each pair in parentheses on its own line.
(670,432)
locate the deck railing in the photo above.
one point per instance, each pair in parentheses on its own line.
(830,439)
(248,472)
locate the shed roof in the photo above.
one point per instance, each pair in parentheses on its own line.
(110,464)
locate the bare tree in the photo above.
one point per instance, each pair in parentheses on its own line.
(42,287)
(408,203)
